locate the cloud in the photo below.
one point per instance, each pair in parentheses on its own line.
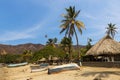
(21,34)
(10,36)
(87,15)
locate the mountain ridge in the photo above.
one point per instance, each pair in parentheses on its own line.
(20,48)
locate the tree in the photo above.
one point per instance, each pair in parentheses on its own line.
(69,24)
(52,42)
(111,30)
(48,51)
(66,45)
(27,55)
(10,58)
(89,44)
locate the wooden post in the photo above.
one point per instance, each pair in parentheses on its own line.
(112,58)
(108,59)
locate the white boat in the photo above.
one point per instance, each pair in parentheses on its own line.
(65,67)
(17,64)
(42,67)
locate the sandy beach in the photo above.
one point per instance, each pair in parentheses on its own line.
(85,73)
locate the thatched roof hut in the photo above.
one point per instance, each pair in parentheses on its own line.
(106,46)
(55,58)
(42,60)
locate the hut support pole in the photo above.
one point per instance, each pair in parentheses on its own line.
(112,58)
(108,59)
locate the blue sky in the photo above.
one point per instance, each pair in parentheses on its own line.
(28,21)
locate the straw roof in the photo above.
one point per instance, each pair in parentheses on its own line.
(106,46)
(55,58)
(43,59)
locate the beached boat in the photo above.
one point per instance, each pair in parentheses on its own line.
(41,67)
(17,64)
(65,67)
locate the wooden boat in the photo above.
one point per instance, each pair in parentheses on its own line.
(42,67)
(65,67)
(17,64)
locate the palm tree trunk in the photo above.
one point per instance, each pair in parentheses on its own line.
(70,54)
(79,60)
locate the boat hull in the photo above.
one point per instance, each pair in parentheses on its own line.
(42,67)
(64,67)
(18,64)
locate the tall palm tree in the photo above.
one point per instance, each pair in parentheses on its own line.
(111,30)
(69,24)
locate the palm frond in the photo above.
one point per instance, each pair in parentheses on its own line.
(64,20)
(67,9)
(73,11)
(79,24)
(76,14)
(114,24)
(65,24)
(80,30)
(62,30)
(66,31)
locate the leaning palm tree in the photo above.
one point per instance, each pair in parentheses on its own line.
(111,30)
(69,24)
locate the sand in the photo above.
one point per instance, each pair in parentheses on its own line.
(85,73)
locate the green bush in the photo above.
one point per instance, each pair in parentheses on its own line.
(48,51)
(11,58)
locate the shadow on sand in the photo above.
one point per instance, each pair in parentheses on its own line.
(99,74)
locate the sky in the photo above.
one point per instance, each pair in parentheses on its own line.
(28,21)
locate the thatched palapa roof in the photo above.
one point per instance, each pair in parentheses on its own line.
(106,46)
(43,59)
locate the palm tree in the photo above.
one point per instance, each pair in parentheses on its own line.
(66,45)
(111,30)
(89,44)
(51,42)
(69,24)
(27,54)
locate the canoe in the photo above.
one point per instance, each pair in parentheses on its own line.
(65,67)
(41,67)
(17,64)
